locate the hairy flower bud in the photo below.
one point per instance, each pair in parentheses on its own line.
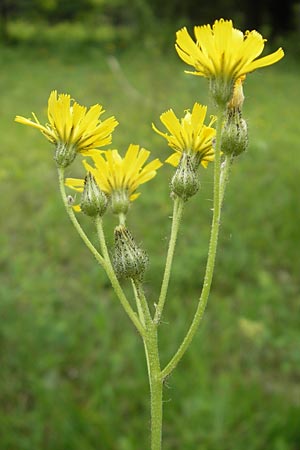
(129,260)
(64,154)
(234,133)
(93,201)
(185,182)
(238,97)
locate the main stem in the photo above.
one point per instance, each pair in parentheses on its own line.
(156,386)
(218,189)
(150,340)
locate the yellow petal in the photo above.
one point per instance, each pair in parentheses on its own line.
(75,183)
(265,61)
(174,159)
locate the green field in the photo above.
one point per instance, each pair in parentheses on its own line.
(72,369)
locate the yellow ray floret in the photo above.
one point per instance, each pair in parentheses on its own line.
(222,51)
(114,173)
(73,125)
(189,134)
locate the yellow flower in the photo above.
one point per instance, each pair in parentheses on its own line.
(189,135)
(72,128)
(119,177)
(223,53)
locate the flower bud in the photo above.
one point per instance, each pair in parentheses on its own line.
(93,201)
(234,133)
(129,260)
(64,154)
(238,97)
(185,182)
(119,202)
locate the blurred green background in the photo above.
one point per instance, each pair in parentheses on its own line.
(72,369)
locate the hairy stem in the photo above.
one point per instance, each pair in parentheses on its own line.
(218,195)
(104,260)
(225,172)
(176,218)
(153,366)
(156,385)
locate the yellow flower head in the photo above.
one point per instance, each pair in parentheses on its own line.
(223,53)
(119,177)
(72,128)
(189,135)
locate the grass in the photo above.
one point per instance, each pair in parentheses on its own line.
(73,375)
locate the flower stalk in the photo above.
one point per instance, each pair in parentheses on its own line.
(218,189)
(114,280)
(176,218)
(104,260)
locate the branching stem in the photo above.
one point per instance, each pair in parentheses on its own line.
(104,260)
(219,188)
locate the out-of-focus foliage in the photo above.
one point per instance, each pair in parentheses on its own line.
(143,15)
(72,370)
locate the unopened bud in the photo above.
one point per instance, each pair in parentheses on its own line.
(238,97)
(93,201)
(185,182)
(129,260)
(234,133)
(119,202)
(64,154)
